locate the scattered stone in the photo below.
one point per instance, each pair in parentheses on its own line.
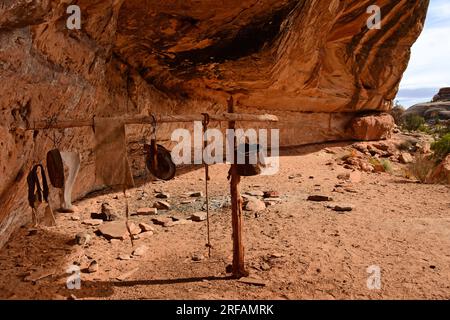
(256,193)
(72,297)
(264,266)
(140,251)
(291,177)
(163,195)
(319,198)
(126,275)
(351,190)
(162,221)
(196,194)
(255,205)
(252,281)
(405,158)
(38,275)
(114,230)
(124,257)
(83,238)
(92,222)
(277,255)
(93,267)
(145,227)
(75,218)
(198,257)
(199,216)
(134,229)
(187,201)
(271,194)
(161,205)
(147,211)
(342,207)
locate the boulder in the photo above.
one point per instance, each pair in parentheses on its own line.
(441,174)
(372,127)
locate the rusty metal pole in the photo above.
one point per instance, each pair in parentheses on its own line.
(238,269)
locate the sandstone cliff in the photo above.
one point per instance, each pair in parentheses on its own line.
(313,63)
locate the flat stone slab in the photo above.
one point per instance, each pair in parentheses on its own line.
(319,198)
(114,230)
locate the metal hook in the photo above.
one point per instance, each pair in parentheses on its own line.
(206,119)
(153,125)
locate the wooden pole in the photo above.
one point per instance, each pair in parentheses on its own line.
(238,269)
(61,124)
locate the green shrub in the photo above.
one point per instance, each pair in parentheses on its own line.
(413,122)
(441,147)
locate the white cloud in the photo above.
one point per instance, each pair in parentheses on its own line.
(429,66)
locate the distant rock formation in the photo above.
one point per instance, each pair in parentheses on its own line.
(438,108)
(443,95)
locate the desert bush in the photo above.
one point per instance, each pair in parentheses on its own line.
(413,122)
(381,165)
(397,113)
(441,147)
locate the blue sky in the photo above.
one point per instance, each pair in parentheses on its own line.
(429,67)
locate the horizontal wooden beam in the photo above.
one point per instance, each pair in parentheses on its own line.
(61,124)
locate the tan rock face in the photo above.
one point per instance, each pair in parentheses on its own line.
(312,63)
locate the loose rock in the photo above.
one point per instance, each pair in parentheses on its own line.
(256,193)
(92,222)
(198,257)
(163,195)
(271,194)
(147,211)
(83,238)
(342,207)
(199,216)
(196,194)
(255,205)
(162,205)
(124,257)
(405,158)
(93,267)
(162,221)
(145,227)
(319,198)
(114,230)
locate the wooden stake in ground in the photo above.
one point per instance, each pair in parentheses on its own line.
(238,269)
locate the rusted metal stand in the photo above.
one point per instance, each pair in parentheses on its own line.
(238,269)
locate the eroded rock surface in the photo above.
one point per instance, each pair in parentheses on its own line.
(315,64)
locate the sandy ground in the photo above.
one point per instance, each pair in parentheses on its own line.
(301,249)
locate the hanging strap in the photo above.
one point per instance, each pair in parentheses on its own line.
(34,186)
(205,143)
